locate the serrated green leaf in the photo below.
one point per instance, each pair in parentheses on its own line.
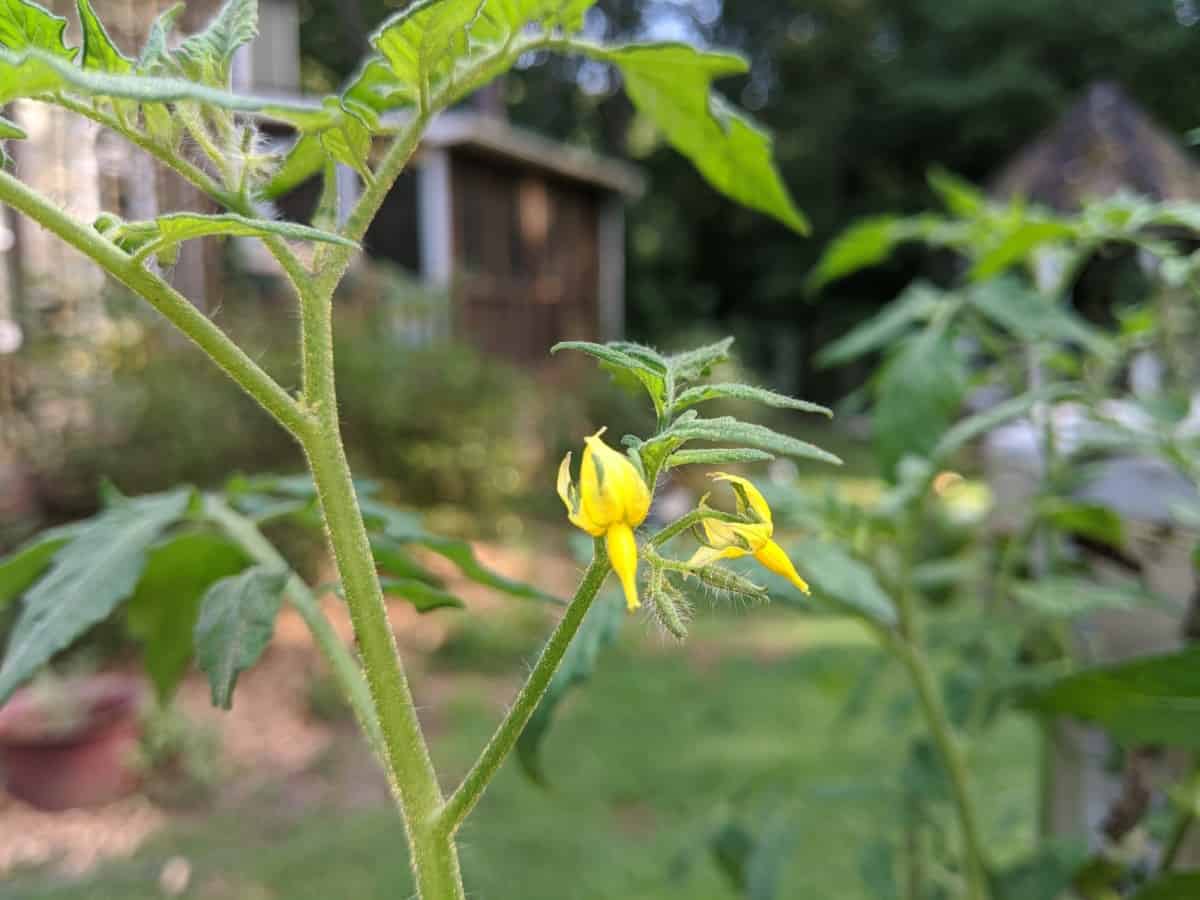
(919,302)
(727,430)
(350,144)
(919,391)
(303,161)
(1046,872)
(155,57)
(642,353)
(1033,316)
(163,610)
(840,579)
(422,43)
(599,629)
(391,559)
(160,235)
(717,457)
(208,54)
(402,528)
(972,427)
(99,51)
(237,619)
(1154,700)
(647,375)
(22,567)
(772,851)
(1018,246)
(671,84)
(461,554)
(34,73)
(331,132)
(698,363)
(90,575)
(27,26)
(1091,520)
(706,392)
(374,90)
(1063,597)
(1172,886)
(423,596)
(863,244)
(501,20)
(959,196)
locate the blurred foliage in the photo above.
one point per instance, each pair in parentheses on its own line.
(443,426)
(180,759)
(863,96)
(492,644)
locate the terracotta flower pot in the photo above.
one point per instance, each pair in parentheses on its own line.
(73,745)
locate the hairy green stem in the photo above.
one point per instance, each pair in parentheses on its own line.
(434,857)
(173,305)
(244,532)
(683,523)
(198,178)
(332,260)
(434,860)
(463,800)
(388,714)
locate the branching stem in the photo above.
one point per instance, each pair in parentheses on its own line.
(463,800)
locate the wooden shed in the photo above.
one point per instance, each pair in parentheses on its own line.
(1103,144)
(524,236)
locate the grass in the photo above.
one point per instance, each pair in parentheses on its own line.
(644,762)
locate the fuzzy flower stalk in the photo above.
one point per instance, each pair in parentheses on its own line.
(730,540)
(610,500)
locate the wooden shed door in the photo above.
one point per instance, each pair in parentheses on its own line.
(526,258)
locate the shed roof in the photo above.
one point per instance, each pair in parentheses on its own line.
(497,137)
(1103,144)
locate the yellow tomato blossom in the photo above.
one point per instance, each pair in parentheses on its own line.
(611,499)
(729,540)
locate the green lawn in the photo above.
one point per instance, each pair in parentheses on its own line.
(642,762)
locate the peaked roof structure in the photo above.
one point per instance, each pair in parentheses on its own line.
(496,137)
(1103,144)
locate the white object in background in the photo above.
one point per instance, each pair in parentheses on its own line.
(11,337)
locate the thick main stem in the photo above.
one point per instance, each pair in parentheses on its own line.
(434,858)
(460,804)
(435,862)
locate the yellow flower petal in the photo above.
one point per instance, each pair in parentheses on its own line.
(564,484)
(570,499)
(611,489)
(748,497)
(771,555)
(706,556)
(623,554)
(746,537)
